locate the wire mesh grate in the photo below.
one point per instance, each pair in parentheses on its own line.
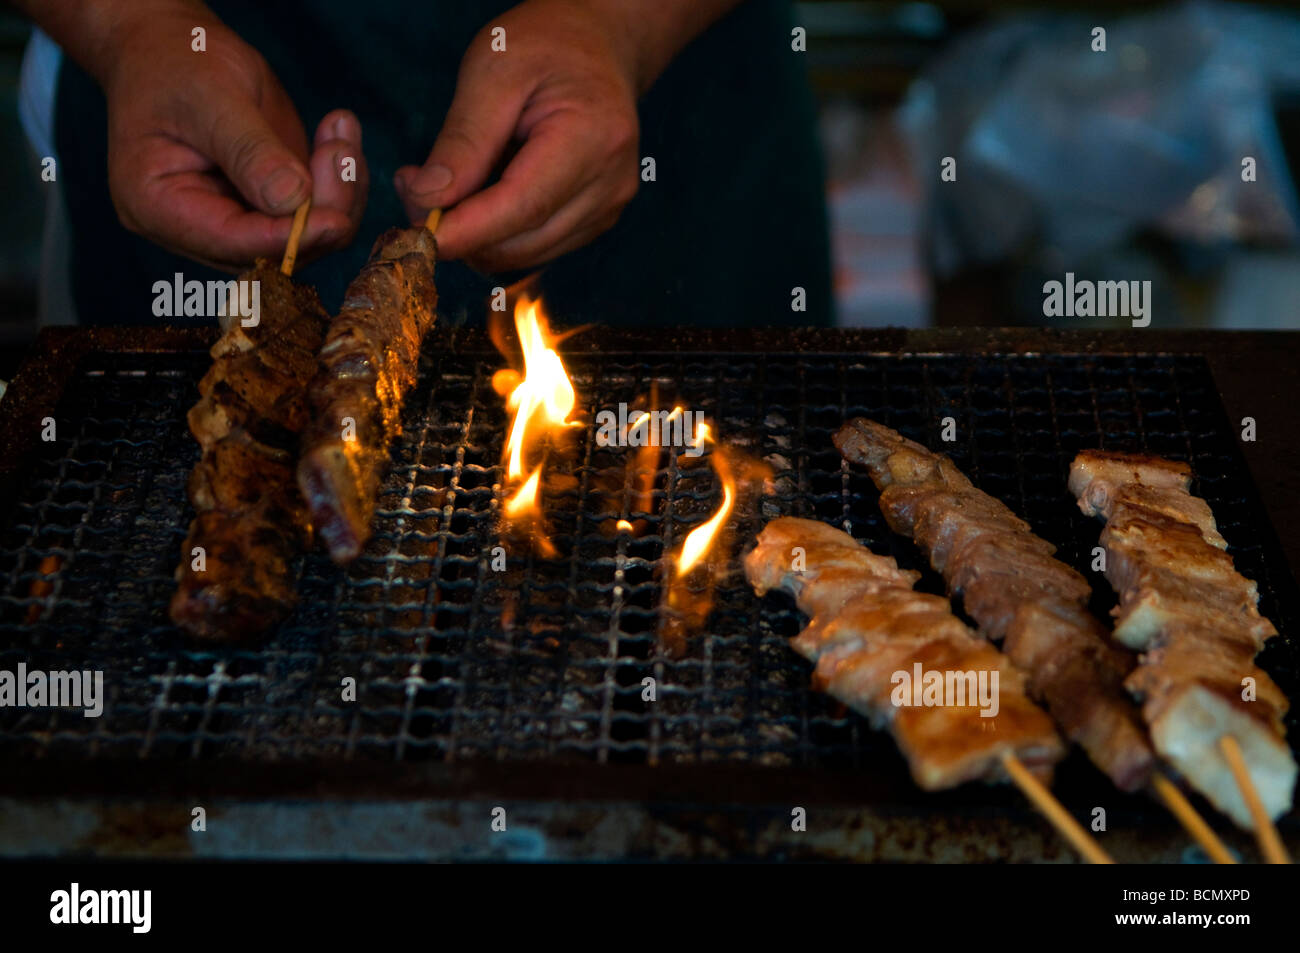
(453,659)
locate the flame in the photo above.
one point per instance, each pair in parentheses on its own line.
(505,381)
(694,573)
(700,540)
(644,463)
(690,591)
(624,526)
(545,389)
(702,433)
(541,400)
(524,501)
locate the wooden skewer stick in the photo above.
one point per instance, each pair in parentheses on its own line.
(1053,810)
(295,236)
(431,223)
(1270,844)
(1194,824)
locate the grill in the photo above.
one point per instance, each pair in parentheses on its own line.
(541,666)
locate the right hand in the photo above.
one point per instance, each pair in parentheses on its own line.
(206,153)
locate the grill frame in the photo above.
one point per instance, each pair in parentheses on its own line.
(1239,366)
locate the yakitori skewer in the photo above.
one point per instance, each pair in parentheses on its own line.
(250,522)
(867,624)
(367,365)
(1021,596)
(1214,715)
(1192,822)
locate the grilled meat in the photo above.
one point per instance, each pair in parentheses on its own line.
(1012,586)
(867,624)
(367,365)
(251,522)
(1196,620)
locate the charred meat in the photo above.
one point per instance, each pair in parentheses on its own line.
(1011,585)
(235,578)
(367,364)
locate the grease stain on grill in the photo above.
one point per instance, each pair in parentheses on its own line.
(546,660)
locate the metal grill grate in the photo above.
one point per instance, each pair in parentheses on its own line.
(545,661)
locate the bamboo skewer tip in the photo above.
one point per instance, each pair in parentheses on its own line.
(1055,811)
(295,236)
(1193,823)
(1270,842)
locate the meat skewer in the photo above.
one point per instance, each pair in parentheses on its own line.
(867,624)
(1019,594)
(1014,589)
(1196,621)
(367,365)
(235,578)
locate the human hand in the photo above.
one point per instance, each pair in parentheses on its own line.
(564,90)
(207,155)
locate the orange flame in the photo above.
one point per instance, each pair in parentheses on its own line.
(690,591)
(701,539)
(694,573)
(545,390)
(540,399)
(524,501)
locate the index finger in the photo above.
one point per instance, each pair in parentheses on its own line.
(540,180)
(191,213)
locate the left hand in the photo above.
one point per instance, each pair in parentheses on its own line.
(565,90)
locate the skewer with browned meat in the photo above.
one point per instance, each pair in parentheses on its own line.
(1012,586)
(251,522)
(367,365)
(1196,621)
(868,624)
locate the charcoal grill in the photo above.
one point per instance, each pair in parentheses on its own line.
(522,688)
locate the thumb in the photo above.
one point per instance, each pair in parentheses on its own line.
(255,159)
(473,138)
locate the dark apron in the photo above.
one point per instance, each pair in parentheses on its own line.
(735,220)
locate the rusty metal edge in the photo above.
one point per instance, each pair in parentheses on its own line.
(437,828)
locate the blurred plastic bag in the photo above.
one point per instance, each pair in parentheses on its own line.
(1078,149)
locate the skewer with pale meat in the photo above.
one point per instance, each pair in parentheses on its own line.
(1195,619)
(1011,585)
(251,522)
(867,624)
(367,365)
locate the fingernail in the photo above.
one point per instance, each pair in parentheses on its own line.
(433,179)
(345,128)
(281,189)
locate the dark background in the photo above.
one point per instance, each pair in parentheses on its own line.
(864,60)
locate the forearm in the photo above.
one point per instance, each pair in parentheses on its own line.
(654,31)
(93,32)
